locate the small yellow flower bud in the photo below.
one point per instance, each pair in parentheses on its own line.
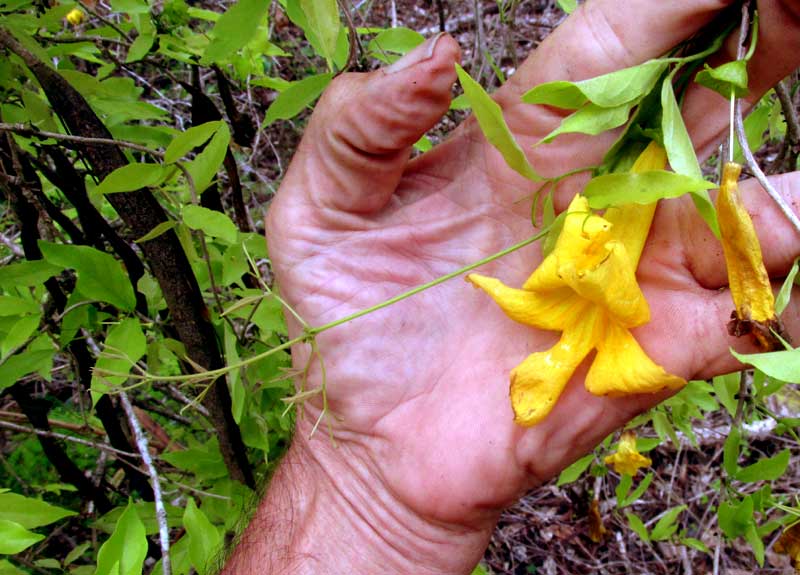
(76,16)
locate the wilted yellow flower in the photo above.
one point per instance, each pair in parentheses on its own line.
(789,544)
(587,289)
(596,528)
(76,16)
(747,276)
(627,459)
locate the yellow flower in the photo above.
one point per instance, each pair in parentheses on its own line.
(587,289)
(747,276)
(76,16)
(627,460)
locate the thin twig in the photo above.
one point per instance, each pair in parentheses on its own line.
(55,435)
(750,160)
(752,164)
(24,130)
(155,482)
(77,427)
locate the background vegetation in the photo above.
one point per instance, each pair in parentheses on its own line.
(141,344)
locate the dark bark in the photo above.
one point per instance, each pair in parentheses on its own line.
(35,410)
(244,130)
(141,212)
(112,420)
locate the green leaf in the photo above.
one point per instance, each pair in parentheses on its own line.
(124,552)
(211,222)
(725,388)
(27,273)
(234,29)
(29,512)
(322,17)
(753,538)
(186,141)
(695,544)
(782,300)
(141,46)
(607,91)
(161,228)
(124,346)
(667,525)
(132,177)
(567,6)
(205,166)
(21,364)
(6,567)
(296,97)
(15,538)
(782,365)
(76,553)
(768,469)
(591,119)
(19,332)
(204,539)
(398,40)
(13,305)
(731,76)
(237,390)
(637,493)
(494,127)
(735,518)
(637,526)
(730,451)
(640,188)
(575,470)
(680,152)
(100,276)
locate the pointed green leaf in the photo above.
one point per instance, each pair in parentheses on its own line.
(161,228)
(204,539)
(731,76)
(591,119)
(768,469)
(781,365)
(205,166)
(100,276)
(125,344)
(725,388)
(397,40)
(15,538)
(27,273)
(30,512)
(141,46)
(132,177)
(782,299)
(186,141)
(567,6)
(667,525)
(730,451)
(29,361)
(296,98)
(637,526)
(575,470)
(494,127)
(640,188)
(322,17)
(124,552)
(234,29)
(211,222)
(680,152)
(607,91)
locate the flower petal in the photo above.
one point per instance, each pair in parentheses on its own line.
(627,459)
(621,366)
(611,284)
(538,381)
(549,310)
(747,276)
(582,241)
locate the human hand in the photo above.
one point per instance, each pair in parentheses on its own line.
(427,453)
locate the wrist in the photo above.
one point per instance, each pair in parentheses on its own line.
(328,511)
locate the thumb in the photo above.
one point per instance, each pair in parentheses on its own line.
(360,135)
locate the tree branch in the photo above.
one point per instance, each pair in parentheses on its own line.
(155,482)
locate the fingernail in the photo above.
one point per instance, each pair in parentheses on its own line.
(419,54)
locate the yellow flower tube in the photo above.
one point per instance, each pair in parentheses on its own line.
(747,277)
(585,288)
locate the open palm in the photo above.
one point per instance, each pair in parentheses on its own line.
(418,391)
